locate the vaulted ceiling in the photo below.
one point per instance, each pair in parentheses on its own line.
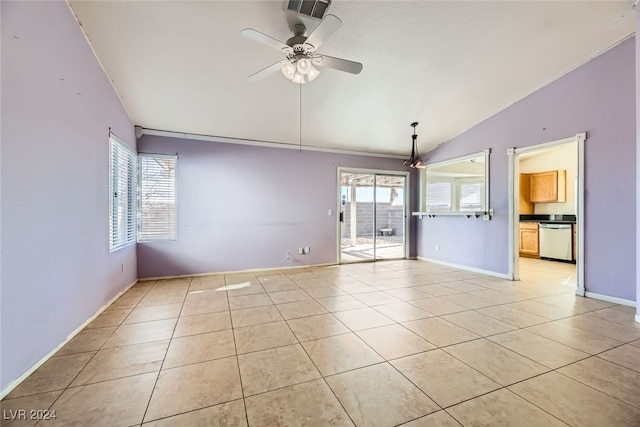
(182,65)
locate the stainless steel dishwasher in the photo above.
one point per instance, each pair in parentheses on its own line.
(556,241)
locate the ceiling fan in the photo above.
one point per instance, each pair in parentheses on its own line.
(300,52)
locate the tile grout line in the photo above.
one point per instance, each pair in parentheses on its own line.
(95,352)
(590,386)
(384,361)
(235,347)
(155,384)
(502,387)
(322,376)
(539,375)
(193,410)
(431,413)
(72,354)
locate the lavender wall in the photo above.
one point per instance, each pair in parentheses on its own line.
(637,168)
(241,207)
(598,98)
(57,107)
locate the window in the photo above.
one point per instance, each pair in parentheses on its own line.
(439,197)
(458,186)
(156,197)
(471,196)
(122,200)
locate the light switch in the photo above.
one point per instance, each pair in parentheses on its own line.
(330,212)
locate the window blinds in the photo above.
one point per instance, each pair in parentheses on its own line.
(156,197)
(122,190)
(439,197)
(471,196)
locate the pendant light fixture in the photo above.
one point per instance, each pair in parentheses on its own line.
(414,161)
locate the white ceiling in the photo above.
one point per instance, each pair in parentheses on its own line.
(182,65)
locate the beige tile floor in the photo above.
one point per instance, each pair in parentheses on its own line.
(376,344)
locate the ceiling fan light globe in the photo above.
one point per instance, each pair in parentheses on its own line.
(304,65)
(298,78)
(289,70)
(313,73)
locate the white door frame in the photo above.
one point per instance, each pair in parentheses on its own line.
(374,172)
(514,206)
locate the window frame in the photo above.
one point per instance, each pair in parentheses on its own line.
(455,187)
(174,229)
(122,215)
(469,181)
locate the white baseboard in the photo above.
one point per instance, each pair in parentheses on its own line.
(15,383)
(614,300)
(467,268)
(251,270)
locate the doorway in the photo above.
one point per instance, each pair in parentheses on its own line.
(373,208)
(546,228)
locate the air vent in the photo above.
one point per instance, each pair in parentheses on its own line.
(312,8)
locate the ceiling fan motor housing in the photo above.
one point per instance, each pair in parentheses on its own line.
(298,48)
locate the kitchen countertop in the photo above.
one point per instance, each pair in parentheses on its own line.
(549,219)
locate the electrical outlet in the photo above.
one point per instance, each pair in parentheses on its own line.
(301,251)
(307,249)
(437,247)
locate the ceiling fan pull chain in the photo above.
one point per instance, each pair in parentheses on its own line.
(300,127)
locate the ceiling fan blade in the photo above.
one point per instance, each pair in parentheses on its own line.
(264,39)
(337,63)
(266,71)
(325,28)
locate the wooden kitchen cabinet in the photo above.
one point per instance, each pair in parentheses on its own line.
(526,207)
(548,187)
(529,239)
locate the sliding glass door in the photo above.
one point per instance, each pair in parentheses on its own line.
(373,213)
(390,217)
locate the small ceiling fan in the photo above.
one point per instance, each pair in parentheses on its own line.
(300,52)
